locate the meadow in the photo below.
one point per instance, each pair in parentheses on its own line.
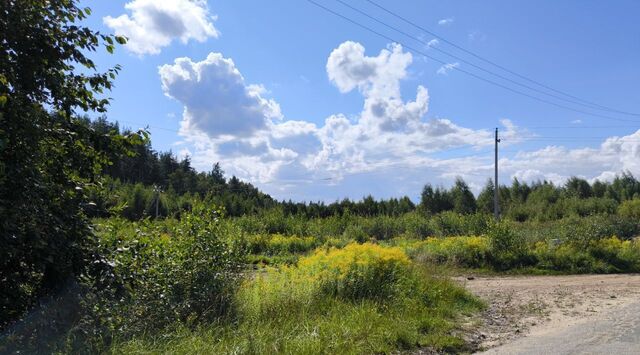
(360,285)
(288,284)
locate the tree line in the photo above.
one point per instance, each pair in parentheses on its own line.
(149,181)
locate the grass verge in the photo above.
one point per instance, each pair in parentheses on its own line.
(361,299)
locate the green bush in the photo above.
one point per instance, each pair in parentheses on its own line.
(329,227)
(171,273)
(507,249)
(459,251)
(381,227)
(605,255)
(448,224)
(623,256)
(416,225)
(356,232)
(630,209)
(278,244)
(503,250)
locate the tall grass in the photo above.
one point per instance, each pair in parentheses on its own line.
(361,299)
(605,255)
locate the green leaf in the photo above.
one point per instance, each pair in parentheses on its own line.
(121,39)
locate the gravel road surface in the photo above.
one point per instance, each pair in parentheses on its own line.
(575,314)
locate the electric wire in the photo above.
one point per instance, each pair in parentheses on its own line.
(493,63)
(466,61)
(465,71)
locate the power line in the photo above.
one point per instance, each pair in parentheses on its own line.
(583,127)
(465,71)
(569,137)
(466,61)
(496,64)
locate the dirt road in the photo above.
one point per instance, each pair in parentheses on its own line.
(558,314)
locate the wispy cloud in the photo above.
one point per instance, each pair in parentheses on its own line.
(446,21)
(477,36)
(576,121)
(432,43)
(445,69)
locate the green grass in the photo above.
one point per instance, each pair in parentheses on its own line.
(322,294)
(341,328)
(362,299)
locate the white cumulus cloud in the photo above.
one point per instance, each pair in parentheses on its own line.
(388,148)
(557,163)
(153,24)
(216,99)
(228,120)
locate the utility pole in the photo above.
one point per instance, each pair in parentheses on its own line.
(496,207)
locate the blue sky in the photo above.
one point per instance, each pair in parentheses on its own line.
(311,107)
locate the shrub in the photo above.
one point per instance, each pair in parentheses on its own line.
(357,271)
(507,249)
(582,231)
(460,251)
(623,256)
(280,244)
(565,258)
(416,225)
(329,227)
(448,224)
(356,232)
(381,227)
(630,209)
(605,255)
(183,272)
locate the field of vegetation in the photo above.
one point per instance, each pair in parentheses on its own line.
(111,247)
(270,282)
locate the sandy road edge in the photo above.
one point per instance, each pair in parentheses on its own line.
(521,306)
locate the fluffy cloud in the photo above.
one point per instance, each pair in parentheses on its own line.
(216,99)
(228,120)
(387,149)
(378,79)
(155,24)
(557,163)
